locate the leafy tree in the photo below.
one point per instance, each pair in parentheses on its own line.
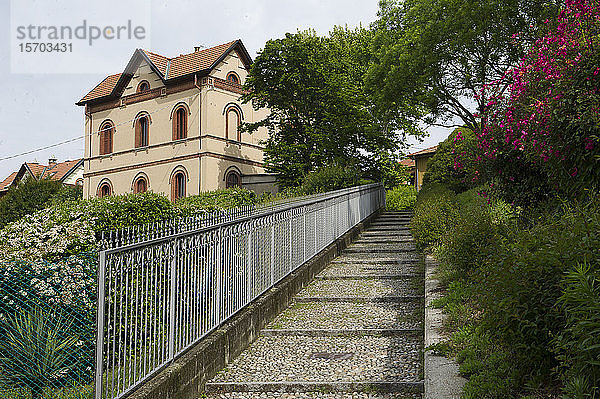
(454,163)
(320,111)
(437,55)
(28,196)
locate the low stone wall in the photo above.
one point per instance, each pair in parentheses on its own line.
(186,376)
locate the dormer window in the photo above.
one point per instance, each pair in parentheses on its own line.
(143,86)
(233,78)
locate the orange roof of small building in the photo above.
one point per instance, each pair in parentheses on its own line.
(36,169)
(168,68)
(59,170)
(56,172)
(8,181)
(409,163)
(426,151)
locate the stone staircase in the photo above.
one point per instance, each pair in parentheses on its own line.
(355,332)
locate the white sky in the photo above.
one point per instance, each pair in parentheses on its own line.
(38,110)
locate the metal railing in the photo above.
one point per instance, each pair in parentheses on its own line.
(163,287)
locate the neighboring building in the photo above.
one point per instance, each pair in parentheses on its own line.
(170,125)
(68,172)
(409,164)
(421,158)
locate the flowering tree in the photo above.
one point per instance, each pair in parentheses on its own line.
(541,131)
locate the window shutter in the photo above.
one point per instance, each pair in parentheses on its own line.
(138,133)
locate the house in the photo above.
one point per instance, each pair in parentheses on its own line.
(171,125)
(68,172)
(409,164)
(421,158)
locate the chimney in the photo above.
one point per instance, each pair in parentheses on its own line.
(198,48)
(51,162)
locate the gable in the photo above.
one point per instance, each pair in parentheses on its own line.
(232,62)
(143,72)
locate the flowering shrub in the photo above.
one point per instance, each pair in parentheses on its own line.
(47,234)
(544,129)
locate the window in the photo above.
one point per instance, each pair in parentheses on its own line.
(180,123)
(140,185)
(233,179)
(141,132)
(232,122)
(106,138)
(233,78)
(104,190)
(143,86)
(178,186)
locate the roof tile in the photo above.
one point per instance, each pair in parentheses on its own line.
(181,65)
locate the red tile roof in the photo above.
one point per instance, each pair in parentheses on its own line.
(8,181)
(104,88)
(426,151)
(59,170)
(197,61)
(35,168)
(409,163)
(169,68)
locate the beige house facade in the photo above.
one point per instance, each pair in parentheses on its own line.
(171,125)
(421,158)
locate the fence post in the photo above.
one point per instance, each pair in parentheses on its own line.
(172,301)
(100,324)
(272,251)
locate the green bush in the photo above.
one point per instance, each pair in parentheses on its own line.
(578,345)
(329,178)
(215,200)
(435,212)
(521,285)
(401,198)
(477,229)
(28,196)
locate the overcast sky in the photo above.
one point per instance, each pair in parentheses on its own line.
(38,110)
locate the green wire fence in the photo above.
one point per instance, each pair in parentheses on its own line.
(47,328)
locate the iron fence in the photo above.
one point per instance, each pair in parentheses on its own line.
(161,288)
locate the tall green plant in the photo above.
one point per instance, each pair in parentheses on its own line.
(34,352)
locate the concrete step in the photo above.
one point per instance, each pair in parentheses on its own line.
(375,261)
(322,387)
(369,250)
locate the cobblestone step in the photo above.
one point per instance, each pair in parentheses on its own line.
(327,359)
(370,269)
(358,288)
(388,233)
(377,332)
(380,299)
(312,395)
(317,386)
(374,261)
(350,315)
(366,277)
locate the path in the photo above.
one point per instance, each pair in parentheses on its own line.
(354,332)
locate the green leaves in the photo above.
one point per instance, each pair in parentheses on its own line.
(321,112)
(432,57)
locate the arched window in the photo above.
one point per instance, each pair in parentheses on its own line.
(104,189)
(178,185)
(142,126)
(233,78)
(106,138)
(140,185)
(79,182)
(180,123)
(232,124)
(233,179)
(143,86)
